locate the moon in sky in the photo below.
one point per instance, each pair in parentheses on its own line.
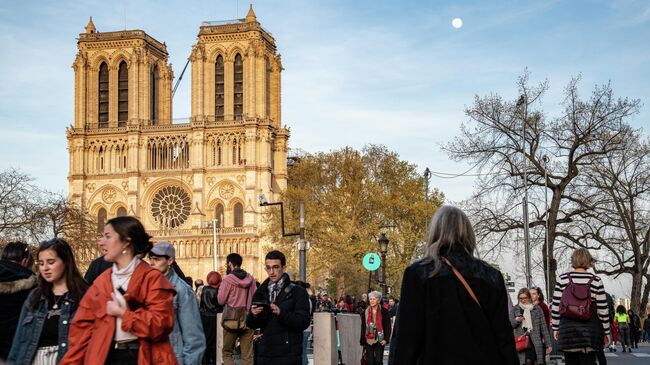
(457,23)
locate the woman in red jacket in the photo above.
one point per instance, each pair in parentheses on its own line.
(127,314)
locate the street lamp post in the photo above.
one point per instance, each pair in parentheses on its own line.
(302,245)
(522,103)
(383,248)
(545,159)
(427,177)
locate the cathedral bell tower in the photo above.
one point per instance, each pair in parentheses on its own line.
(187,180)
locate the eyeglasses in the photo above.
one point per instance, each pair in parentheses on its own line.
(273,268)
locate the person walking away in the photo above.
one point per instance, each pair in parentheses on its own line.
(453,307)
(582,292)
(198,288)
(127,314)
(42,337)
(187,338)
(236,294)
(635,325)
(16,282)
(623,328)
(375,330)
(281,310)
(528,318)
(209,307)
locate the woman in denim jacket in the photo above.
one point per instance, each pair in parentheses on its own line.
(42,334)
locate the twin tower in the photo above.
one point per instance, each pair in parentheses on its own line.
(128,157)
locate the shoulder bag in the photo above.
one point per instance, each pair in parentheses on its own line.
(234,318)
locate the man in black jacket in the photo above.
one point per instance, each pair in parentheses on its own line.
(281,310)
(16,281)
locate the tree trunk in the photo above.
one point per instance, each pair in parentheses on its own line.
(635,295)
(644,297)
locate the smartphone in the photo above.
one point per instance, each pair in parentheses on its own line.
(265,305)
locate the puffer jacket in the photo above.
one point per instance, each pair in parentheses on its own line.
(16,282)
(281,341)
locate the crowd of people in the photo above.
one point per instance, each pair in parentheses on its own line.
(135,306)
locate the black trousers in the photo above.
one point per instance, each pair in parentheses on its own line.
(374,354)
(580,358)
(122,357)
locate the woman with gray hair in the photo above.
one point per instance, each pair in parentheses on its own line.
(454,306)
(375,330)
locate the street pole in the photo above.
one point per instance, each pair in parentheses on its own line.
(427,177)
(545,159)
(302,249)
(384,290)
(522,100)
(214,244)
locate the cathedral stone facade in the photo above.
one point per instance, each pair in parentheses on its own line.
(184,180)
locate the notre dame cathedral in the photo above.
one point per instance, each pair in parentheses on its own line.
(180,179)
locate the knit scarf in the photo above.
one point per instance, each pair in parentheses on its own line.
(274,288)
(374,327)
(528,322)
(120,279)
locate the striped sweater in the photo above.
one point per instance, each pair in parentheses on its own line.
(597,295)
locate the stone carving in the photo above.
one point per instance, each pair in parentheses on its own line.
(125,185)
(90,187)
(211,180)
(241,179)
(226,191)
(108,195)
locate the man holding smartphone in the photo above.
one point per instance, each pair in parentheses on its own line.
(281,310)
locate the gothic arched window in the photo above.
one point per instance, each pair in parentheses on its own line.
(238,213)
(218,215)
(121,212)
(238,87)
(101,219)
(102,100)
(154,95)
(218,88)
(122,94)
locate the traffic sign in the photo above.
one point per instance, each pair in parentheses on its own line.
(371,261)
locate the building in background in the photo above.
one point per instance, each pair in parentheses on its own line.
(129,157)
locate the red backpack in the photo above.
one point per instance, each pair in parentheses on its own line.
(576,301)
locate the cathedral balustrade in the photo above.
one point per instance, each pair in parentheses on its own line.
(225,231)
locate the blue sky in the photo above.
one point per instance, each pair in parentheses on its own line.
(356,72)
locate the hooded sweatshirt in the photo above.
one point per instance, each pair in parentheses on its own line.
(234,289)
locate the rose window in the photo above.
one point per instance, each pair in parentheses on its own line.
(171,206)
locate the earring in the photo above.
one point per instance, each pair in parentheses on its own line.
(124,251)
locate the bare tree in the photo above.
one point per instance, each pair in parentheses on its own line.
(615,195)
(494,141)
(18,203)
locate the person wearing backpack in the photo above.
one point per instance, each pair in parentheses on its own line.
(580,319)
(236,293)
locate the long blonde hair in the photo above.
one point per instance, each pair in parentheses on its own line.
(449,229)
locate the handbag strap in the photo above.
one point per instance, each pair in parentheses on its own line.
(462,280)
